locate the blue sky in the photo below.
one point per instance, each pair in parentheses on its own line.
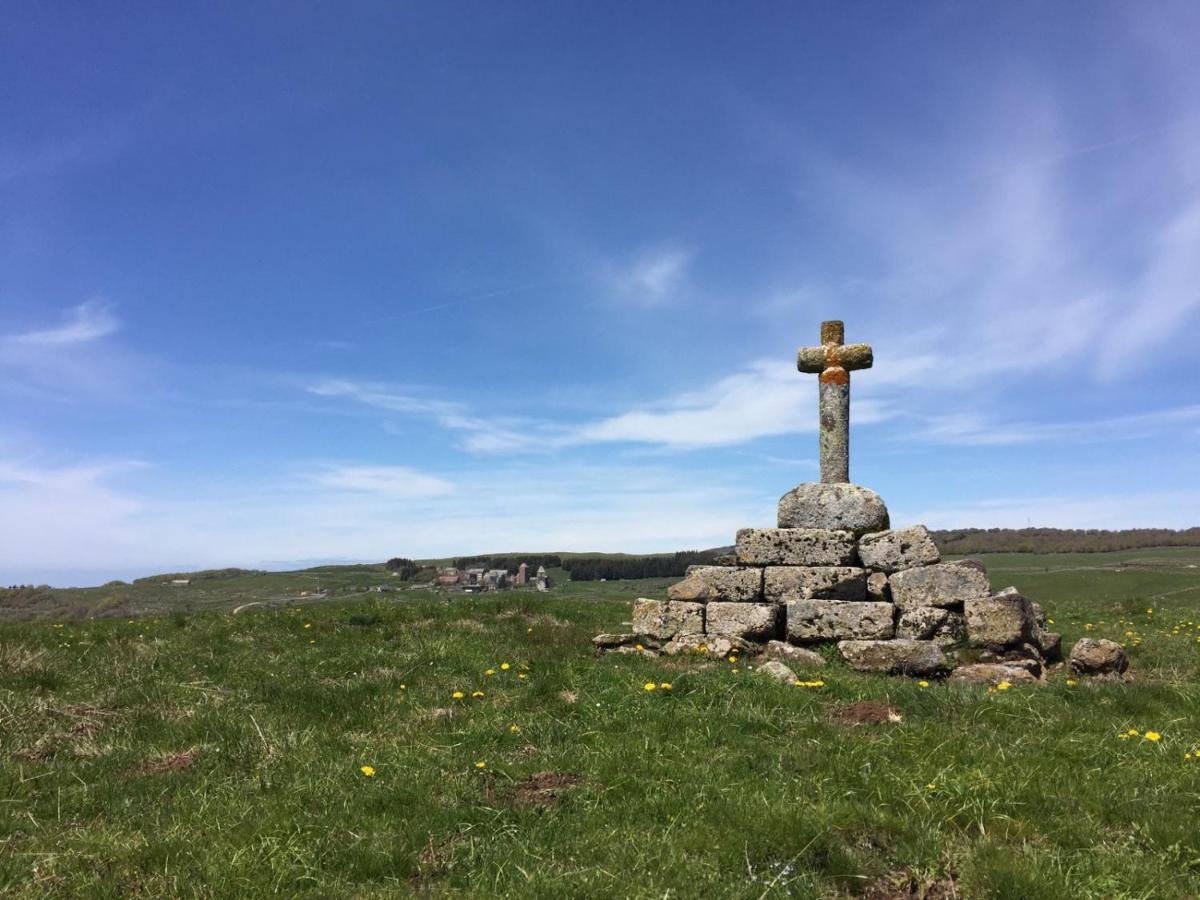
(299,282)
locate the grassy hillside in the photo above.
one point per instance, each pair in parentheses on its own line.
(210,754)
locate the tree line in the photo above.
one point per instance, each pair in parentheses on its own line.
(1060,540)
(510,563)
(593,568)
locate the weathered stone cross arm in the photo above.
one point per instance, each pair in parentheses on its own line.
(833,354)
(834,361)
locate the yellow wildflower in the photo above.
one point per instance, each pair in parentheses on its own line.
(308,624)
(639,648)
(666,685)
(481,765)
(476,694)
(923,684)
(457,695)
(733,659)
(649,686)
(522,676)
(404,687)
(490,672)
(504,667)
(1004,685)
(367,771)
(514,728)
(1152,736)
(1071,682)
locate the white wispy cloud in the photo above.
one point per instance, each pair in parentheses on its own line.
(87,518)
(653,276)
(764,398)
(390,481)
(86,322)
(974,430)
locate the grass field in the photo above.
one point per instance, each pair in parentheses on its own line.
(209,754)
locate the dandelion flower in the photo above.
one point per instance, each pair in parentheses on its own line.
(477,694)
(666,685)
(522,676)
(639,648)
(1071,682)
(490,672)
(308,624)
(1004,685)
(735,671)
(931,787)
(649,686)
(923,684)
(514,728)
(733,659)
(404,687)
(529,631)
(457,695)
(481,765)
(504,667)
(1152,736)
(368,771)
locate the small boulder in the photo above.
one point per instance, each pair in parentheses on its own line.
(734,585)
(1001,621)
(795,547)
(1097,656)
(904,548)
(944,584)
(711,646)
(783,583)
(692,589)
(898,657)
(833,620)
(773,668)
(743,620)
(834,507)
(656,619)
(607,641)
(931,623)
(992,674)
(799,656)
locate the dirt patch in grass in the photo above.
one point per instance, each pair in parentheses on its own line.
(81,722)
(544,789)
(866,712)
(433,862)
(907,885)
(172,762)
(86,720)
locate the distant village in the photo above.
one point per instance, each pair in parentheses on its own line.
(477,580)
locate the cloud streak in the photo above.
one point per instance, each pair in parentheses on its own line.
(81,324)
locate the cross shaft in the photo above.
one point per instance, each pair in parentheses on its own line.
(833,361)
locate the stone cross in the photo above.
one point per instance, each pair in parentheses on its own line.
(834,361)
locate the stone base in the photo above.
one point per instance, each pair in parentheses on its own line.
(844,507)
(833,573)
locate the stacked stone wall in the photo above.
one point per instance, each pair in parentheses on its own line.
(884,596)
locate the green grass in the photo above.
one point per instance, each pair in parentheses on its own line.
(210,754)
